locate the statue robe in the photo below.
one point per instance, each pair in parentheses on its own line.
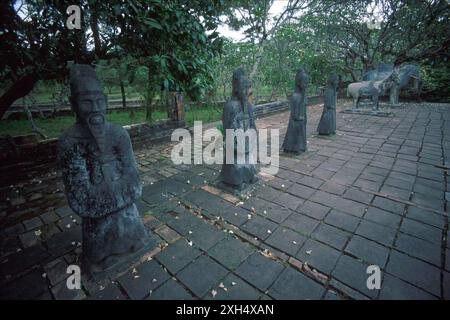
(327,123)
(235,118)
(102,188)
(295,139)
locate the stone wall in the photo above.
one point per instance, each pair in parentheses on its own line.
(22,155)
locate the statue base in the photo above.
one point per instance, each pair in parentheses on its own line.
(368,112)
(237,191)
(120,266)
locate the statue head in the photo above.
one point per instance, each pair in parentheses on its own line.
(88,101)
(333,81)
(301,79)
(241,85)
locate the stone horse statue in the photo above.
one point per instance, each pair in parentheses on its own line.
(372,90)
(408,78)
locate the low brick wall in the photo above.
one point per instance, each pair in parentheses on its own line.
(266,109)
(22,155)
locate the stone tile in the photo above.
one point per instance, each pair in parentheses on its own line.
(235,215)
(63,211)
(138,282)
(400,184)
(301,191)
(331,236)
(389,205)
(273,211)
(236,289)
(32,223)
(367,250)
(310,182)
(427,251)
(358,195)
(416,272)
(376,232)
(333,187)
(293,285)
(109,292)
(324,198)
(342,220)
(61,292)
(332,295)
(183,221)
(428,201)
(447,259)
(314,210)
(205,236)
(14,230)
(170,290)
(22,260)
(301,224)
(29,239)
(176,256)
(167,234)
(231,252)
(393,288)
(446,287)
(286,240)
(259,227)
(421,230)
(318,255)
(289,201)
(396,192)
(201,275)
(351,207)
(29,286)
(354,274)
(259,271)
(56,271)
(383,217)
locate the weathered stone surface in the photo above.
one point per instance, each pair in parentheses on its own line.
(201,275)
(100,176)
(327,123)
(295,139)
(238,114)
(141,280)
(293,285)
(259,271)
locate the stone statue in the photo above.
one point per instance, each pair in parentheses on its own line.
(394,91)
(372,90)
(238,114)
(408,79)
(100,177)
(295,139)
(327,124)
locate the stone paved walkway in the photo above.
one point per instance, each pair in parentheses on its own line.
(375,194)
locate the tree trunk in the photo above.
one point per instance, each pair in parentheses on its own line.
(258,58)
(18,90)
(149,97)
(124,98)
(34,127)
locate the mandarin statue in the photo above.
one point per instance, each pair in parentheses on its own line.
(237,116)
(100,177)
(327,123)
(295,139)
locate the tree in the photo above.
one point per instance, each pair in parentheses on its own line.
(253,17)
(166,36)
(361,33)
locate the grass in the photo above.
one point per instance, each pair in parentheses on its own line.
(53,127)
